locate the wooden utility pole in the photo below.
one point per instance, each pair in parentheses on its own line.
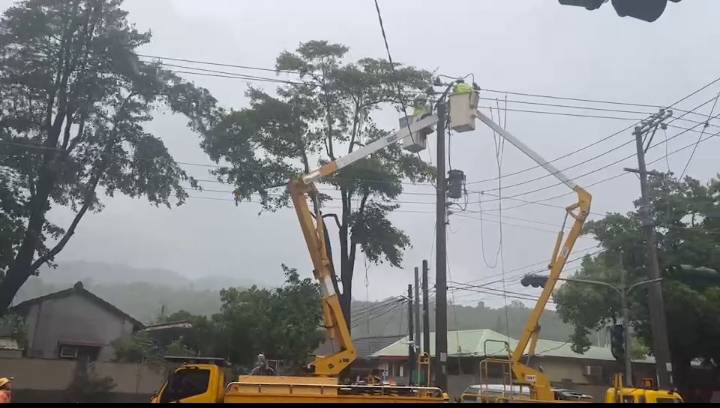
(658,324)
(441,254)
(412,360)
(416,316)
(426,309)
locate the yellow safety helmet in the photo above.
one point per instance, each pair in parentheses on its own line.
(5,381)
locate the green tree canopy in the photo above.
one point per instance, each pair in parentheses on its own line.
(327,115)
(283,323)
(688,224)
(74,99)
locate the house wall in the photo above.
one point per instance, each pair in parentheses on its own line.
(38,380)
(72,318)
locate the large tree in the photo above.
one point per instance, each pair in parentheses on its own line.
(283,323)
(74,99)
(687,220)
(325,116)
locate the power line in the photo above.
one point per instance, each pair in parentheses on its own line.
(610,178)
(602,167)
(230,74)
(506,224)
(615,148)
(608,102)
(530,202)
(219,64)
(700,137)
(597,141)
(546,263)
(577,115)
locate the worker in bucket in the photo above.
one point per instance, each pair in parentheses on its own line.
(462,88)
(422,109)
(6,390)
(262,367)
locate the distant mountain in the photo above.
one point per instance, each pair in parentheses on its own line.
(105,273)
(101,273)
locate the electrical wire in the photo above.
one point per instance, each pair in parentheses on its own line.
(597,141)
(610,178)
(714,81)
(392,68)
(600,168)
(218,64)
(615,148)
(699,137)
(228,74)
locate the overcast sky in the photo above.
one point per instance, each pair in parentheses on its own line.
(533,46)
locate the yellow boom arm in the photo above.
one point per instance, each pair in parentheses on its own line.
(313,229)
(579,212)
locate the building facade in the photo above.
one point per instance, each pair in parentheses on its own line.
(71,324)
(469,353)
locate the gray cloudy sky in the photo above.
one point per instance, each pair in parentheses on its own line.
(534,46)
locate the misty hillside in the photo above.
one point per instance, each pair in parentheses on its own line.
(140,292)
(388,318)
(144,292)
(69,272)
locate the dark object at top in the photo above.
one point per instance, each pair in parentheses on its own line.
(646,10)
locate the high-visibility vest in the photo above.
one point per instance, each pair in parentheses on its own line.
(462,88)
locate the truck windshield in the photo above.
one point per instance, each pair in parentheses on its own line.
(186,383)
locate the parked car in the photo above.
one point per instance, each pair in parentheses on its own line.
(571,395)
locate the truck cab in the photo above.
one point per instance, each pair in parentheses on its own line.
(196,380)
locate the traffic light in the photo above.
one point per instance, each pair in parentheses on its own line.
(536,281)
(617,341)
(646,10)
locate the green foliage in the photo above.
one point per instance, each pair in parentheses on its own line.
(459,318)
(137,348)
(687,222)
(328,115)
(282,323)
(13,326)
(74,100)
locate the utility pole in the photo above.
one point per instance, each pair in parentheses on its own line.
(656,305)
(626,321)
(440,251)
(426,309)
(412,360)
(416,315)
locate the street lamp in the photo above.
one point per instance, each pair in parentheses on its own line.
(623,290)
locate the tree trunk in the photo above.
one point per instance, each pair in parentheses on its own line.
(345,273)
(21,268)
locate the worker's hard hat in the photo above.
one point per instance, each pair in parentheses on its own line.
(5,381)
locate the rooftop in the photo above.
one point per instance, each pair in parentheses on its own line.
(489,343)
(77,289)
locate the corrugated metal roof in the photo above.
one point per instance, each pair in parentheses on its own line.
(485,342)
